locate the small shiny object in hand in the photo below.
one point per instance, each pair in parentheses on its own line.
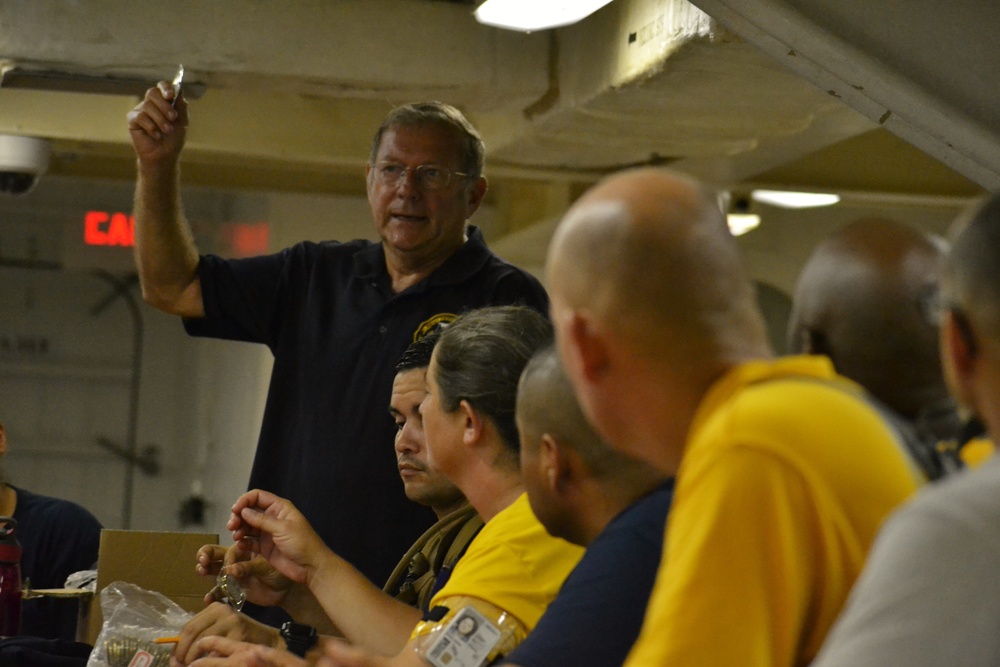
(176,84)
(228,590)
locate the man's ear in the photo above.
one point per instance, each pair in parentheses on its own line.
(549,458)
(589,345)
(474,196)
(472,430)
(958,346)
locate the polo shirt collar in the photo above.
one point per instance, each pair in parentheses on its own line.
(754,372)
(464,264)
(369,262)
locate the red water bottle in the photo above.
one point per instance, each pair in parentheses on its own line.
(10,578)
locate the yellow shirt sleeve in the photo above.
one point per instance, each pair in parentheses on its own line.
(512,631)
(513,564)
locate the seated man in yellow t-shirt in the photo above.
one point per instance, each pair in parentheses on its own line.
(784,473)
(511,570)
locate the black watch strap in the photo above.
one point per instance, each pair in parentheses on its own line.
(299,638)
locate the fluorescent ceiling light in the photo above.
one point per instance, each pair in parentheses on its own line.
(788,199)
(528,15)
(741,223)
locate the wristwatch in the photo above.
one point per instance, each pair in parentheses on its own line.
(299,638)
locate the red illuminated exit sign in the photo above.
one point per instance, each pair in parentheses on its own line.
(234,239)
(108,229)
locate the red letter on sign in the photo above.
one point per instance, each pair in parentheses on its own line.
(120,230)
(92,232)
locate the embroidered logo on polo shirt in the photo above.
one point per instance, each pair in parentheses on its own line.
(432,323)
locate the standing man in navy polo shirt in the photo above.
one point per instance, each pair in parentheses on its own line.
(336,316)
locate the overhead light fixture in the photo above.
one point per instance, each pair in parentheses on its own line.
(739,218)
(741,223)
(530,15)
(790,199)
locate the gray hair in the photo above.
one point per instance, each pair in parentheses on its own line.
(437,113)
(971,272)
(479,359)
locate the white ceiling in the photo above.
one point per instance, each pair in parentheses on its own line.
(293,90)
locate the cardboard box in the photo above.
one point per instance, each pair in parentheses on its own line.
(157,561)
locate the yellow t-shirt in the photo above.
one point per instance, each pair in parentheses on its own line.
(784,483)
(513,564)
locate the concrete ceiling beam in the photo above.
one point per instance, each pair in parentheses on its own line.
(923,70)
(384,49)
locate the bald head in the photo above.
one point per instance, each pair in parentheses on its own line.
(862,298)
(649,250)
(651,306)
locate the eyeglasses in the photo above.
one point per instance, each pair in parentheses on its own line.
(428,176)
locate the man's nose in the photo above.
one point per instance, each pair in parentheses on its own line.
(409,183)
(404,441)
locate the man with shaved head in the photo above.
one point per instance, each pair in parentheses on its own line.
(930,594)
(772,517)
(862,300)
(589,494)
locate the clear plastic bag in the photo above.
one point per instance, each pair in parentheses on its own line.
(85,579)
(133,618)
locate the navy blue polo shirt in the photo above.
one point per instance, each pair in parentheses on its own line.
(336,329)
(58,537)
(598,613)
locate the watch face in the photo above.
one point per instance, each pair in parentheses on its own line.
(230,591)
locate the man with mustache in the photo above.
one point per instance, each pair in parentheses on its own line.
(336,316)
(442,544)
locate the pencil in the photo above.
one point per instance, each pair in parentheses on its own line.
(167,640)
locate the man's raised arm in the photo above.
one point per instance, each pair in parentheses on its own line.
(165,253)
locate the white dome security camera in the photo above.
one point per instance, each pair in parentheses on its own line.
(22,161)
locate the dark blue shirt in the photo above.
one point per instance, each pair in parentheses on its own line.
(328,313)
(598,613)
(58,538)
